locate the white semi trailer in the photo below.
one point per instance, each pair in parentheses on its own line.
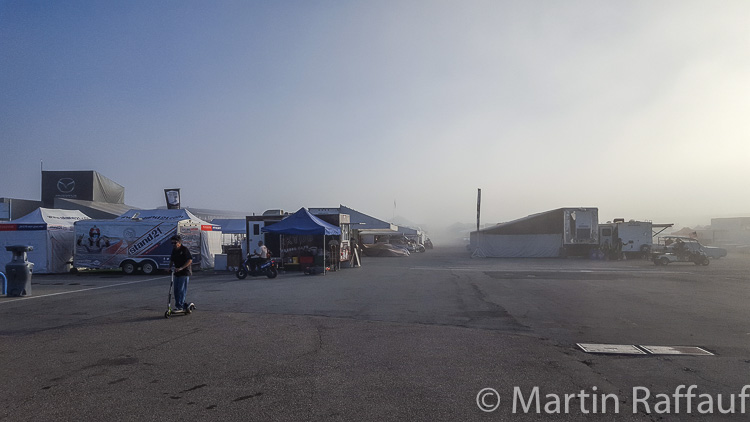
(143,244)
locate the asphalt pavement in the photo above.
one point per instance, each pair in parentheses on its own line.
(415,338)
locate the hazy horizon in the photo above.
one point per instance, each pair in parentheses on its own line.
(638,109)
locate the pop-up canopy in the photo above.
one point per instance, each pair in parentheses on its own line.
(303,223)
(49,231)
(230,225)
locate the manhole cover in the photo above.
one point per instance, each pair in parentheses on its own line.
(677,350)
(614,349)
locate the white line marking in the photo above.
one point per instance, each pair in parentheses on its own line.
(445,269)
(81,290)
(545,270)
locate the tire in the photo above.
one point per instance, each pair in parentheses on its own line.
(664,260)
(128,267)
(272,272)
(706,261)
(148,267)
(241,273)
(645,251)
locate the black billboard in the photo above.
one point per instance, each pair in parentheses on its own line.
(81,185)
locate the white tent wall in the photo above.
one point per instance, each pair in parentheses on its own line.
(60,244)
(518,246)
(210,246)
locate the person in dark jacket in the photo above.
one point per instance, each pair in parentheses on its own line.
(180,262)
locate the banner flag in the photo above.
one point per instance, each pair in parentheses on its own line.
(173,198)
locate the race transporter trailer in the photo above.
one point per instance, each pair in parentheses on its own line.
(140,241)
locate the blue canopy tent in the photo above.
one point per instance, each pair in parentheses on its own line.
(304,223)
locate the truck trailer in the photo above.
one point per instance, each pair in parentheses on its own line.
(557,233)
(143,244)
(631,239)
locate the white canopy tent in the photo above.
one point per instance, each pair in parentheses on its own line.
(49,231)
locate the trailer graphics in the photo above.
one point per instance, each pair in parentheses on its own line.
(145,243)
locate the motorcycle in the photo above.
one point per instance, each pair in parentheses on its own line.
(268,268)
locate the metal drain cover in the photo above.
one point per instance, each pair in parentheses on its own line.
(613,349)
(677,350)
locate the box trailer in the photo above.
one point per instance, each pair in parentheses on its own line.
(629,238)
(581,226)
(555,233)
(140,245)
(581,231)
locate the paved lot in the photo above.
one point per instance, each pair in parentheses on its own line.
(400,339)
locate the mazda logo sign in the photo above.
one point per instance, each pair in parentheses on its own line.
(66,185)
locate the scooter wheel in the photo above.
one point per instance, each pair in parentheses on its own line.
(241,273)
(167,314)
(192,307)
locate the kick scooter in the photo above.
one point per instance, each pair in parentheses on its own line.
(170,311)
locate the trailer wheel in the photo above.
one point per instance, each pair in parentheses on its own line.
(148,267)
(128,267)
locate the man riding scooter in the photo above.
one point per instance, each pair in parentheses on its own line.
(257,263)
(259,256)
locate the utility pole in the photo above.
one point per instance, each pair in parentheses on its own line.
(478,252)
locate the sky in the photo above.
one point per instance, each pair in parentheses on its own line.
(392,107)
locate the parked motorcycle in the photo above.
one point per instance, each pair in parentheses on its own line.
(268,269)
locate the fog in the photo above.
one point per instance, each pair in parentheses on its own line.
(396,109)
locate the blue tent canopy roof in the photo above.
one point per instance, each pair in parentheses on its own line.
(304,223)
